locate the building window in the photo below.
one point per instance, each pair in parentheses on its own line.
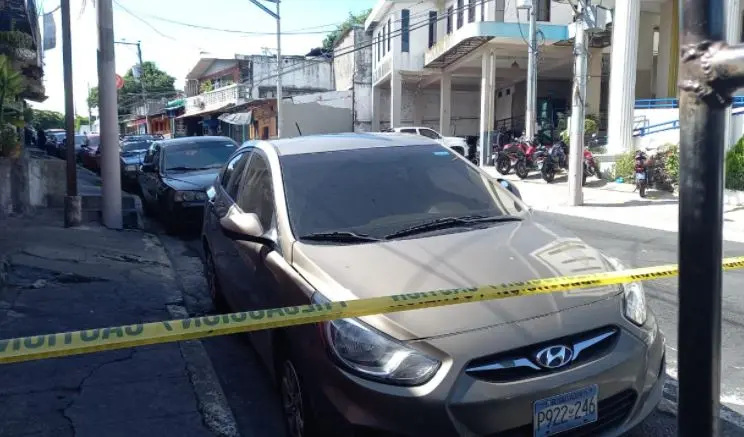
(379,47)
(450,11)
(471,11)
(542,10)
(460,13)
(389,31)
(432,28)
(384,31)
(405,17)
(483,10)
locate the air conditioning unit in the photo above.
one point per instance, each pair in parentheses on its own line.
(524,4)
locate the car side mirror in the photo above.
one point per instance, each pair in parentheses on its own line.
(147,168)
(510,187)
(244,227)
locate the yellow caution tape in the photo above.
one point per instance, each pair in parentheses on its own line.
(120,337)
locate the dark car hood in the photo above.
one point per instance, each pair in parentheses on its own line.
(193,180)
(504,253)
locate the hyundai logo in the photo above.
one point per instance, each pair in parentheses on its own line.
(554,357)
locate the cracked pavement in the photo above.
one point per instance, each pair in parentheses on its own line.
(70,279)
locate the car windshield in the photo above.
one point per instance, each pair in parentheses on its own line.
(131,146)
(94,141)
(139,138)
(378,192)
(197,155)
(79,140)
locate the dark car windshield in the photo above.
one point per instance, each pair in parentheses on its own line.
(197,154)
(79,140)
(380,191)
(93,141)
(131,146)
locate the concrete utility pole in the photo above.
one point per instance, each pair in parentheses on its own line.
(73,208)
(578,99)
(530,115)
(142,84)
(277,17)
(108,115)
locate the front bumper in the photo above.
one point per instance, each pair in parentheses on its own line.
(630,380)
(187,214)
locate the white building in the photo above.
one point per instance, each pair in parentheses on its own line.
(437,63)
(352,69)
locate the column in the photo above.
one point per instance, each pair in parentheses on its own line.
(485,108)
(445,105)
(733,35)
(623,75)
(665,50)
(396,98)
(594,84)
(419,103)
(645,62)
(375,127)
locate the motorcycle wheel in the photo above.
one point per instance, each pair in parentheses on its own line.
(521,170)
(583,179)
(503,165)
(642,190)
(548,173)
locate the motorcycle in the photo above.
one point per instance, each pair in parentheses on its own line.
(557,158)
(591,166)
(641,173)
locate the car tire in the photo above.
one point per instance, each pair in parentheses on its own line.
(213,282)
(521,169)
(146,207)
(299,418)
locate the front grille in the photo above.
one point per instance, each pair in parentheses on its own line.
(518,364)
(611,413)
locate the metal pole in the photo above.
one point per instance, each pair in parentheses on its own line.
(530,112)
(578,97)
(142,84)
(278,72)
(90,113)
(73,208)
(702,126)
(108,116)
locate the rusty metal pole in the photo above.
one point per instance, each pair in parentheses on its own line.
(73,208)
(710,71)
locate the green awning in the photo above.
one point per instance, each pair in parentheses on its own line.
(173,104)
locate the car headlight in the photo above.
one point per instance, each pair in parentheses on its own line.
(130,168)
(634,298)
(373,355)
(189,196)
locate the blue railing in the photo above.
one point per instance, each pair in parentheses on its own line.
(656,128)
(672,103)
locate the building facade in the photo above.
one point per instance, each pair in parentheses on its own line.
(352,71)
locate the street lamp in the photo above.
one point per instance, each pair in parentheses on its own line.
(278,60)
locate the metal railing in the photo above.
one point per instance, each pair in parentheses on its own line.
(671,103)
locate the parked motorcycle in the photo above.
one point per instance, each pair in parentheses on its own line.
(641,173)
(591,166)
(557,159)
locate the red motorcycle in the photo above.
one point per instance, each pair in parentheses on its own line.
(641,173)
(518,155)
(591,166)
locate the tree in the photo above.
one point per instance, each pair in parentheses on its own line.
(81,121)
(44,120)
(351,21)
(157,82)
(11,84)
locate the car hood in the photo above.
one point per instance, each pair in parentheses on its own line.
(194,180)
(134,157)
(504,253)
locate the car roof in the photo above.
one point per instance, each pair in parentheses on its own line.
(185,140)
(348,141)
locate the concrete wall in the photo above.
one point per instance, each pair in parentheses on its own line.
(319,113)
(504,103)
(344,64)
(30,183)
(298,72)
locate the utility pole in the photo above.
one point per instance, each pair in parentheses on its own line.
(90,112)
(530,115)
(73,204)
(108,116)
(578,99)
(143,90)
(277,17)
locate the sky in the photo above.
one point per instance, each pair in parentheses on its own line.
(175,48)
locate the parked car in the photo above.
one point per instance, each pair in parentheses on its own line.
(175,175)
(337,217)
(458,144)
(131,156)
(90,153)
(55,138)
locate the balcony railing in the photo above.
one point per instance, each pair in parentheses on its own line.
(216,99)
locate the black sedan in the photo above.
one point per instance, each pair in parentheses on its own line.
(175,175)
(132,154)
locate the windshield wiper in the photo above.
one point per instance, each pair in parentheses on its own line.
(339,236)
(451,222)
(184,168)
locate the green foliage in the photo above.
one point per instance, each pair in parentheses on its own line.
(11,85)
(590,128)
(735,167)
(625,167)
(671,163)
(9,140)
(206,87)
(157,83)
(351,21)
(44,120)
(15,39)
(81,120)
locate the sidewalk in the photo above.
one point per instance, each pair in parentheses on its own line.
(89,277)
(616,203)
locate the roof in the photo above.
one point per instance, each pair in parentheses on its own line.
(348,141)
(184,140)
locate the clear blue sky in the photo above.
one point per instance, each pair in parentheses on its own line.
(175,48)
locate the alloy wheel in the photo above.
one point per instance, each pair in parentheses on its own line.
(291,394)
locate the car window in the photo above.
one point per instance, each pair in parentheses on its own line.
(150,153)
(132,146)
(378,191)
(429,134)
(156,156)
(197,154)
(256,192)
(233,172)
(80,140)
(408,131)
(93,141)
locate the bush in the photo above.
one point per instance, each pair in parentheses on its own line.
(664,166)
(9,141)
(735,167)
(625,167)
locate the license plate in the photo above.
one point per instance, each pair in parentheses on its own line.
(540,165)
(640,176)
(566,411)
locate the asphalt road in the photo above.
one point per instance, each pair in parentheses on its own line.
(252,396)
